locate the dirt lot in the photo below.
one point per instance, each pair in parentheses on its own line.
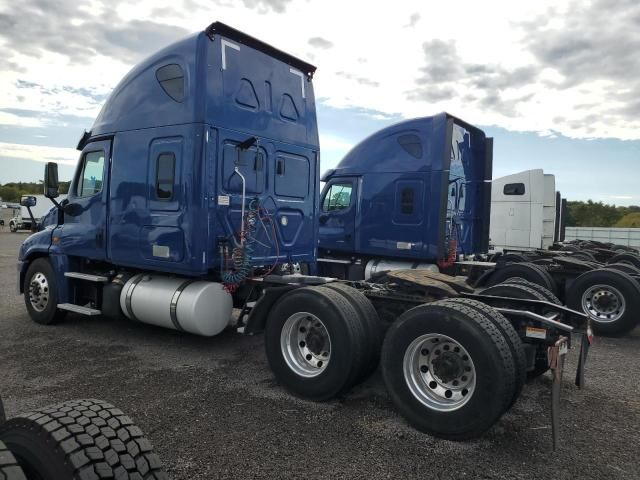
(212,409)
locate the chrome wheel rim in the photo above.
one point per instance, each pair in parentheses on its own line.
(305,344)
(603,303)
(439,372)
(38,292)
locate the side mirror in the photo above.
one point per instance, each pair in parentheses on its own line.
(28,201)
(51,184)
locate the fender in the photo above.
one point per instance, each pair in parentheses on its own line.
(258,316)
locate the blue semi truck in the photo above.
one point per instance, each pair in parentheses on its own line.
(197,190)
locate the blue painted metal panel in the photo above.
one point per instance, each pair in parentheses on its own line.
(426,156)
(234,89)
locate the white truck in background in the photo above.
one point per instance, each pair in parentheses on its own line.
(527,213)
(7,212)
(23,221)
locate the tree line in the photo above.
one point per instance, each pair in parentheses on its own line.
(598,214)
(11,192)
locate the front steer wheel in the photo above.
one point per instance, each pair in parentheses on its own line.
(80,440)
(316,343)
(41,293)
(448,369)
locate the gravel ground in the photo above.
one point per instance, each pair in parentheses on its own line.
(213,410)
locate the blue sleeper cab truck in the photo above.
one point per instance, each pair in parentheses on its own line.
(197,191)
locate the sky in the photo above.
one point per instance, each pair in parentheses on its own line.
(557,84)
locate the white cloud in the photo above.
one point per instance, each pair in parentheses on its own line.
(63,156)
(485,34)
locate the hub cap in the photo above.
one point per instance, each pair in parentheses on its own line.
(305,344)
(39,292)
(603,303)
(439,372)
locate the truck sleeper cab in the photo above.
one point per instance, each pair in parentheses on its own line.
(209,128)
(413,194)
(197,189)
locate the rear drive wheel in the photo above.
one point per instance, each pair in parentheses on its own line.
(315,343)
(448,370)
(547,294)
(624,267)
(611,298)
(520,290)
(370,320)
(80,439)
(41,293)
(510,335)
(529,271)
(628,258)
(9,468)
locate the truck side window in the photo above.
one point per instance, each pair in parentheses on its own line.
(513,189)
(338,197)
(92,172)
(411,144)
(406,201)
(171,79)
(165,175)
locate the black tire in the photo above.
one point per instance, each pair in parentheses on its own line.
(513,258)
(488,350)
(83,440)
(586,256)
(370,319)
(529,271)
(514,290)
(624,267)
(628,258)
(510,335)
(548,295)
(9,468)
(50,314)
(348,355)
(621,288)
(3,415)
(521,290)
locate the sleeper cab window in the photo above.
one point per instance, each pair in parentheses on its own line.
(406,201)
(165,176)
(513,189)
(171,79)
(338,197)
(411,144)
(92,172)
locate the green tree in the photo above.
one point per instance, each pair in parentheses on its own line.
(630,220)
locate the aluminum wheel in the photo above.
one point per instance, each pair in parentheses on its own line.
(603,303)
(39,292)
(305,344)
(439,372)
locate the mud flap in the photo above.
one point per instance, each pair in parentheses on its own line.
(557,354)
(585,343)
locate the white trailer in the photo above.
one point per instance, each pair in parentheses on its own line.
(526,211)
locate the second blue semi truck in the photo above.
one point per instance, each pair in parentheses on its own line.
(198,190)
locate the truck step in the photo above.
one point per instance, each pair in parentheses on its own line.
(70,307)
(87,276)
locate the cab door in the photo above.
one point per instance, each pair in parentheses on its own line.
(84,230)
(338,214)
